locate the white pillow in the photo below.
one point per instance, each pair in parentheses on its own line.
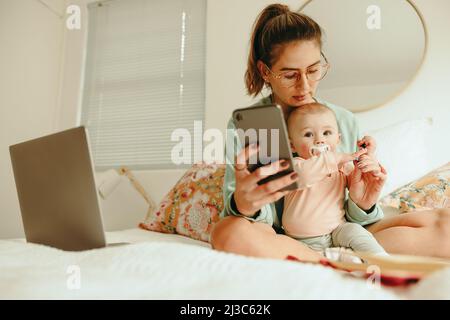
(404,150)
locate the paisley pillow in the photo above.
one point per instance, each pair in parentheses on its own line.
(193,205)
(429,192)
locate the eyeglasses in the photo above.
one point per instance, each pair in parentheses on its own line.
(314,73)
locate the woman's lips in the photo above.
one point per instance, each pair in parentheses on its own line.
(300,98)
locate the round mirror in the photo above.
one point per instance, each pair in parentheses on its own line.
(374,47)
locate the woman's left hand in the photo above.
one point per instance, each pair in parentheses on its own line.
(366,182)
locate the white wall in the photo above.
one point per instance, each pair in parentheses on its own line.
(228,31)
(30,56)
(363,97)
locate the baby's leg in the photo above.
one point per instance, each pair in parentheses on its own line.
(319,243)
(356,237)
(324,245)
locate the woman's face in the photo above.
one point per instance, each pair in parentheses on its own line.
(298,55)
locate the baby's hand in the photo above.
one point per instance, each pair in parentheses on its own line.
(343,158)
(368,143)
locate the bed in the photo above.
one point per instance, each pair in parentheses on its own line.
(166,266)
(155,265)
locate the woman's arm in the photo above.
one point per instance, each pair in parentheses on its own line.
(353,213)
(363,192)
(360,207)
(232,148)
(366,182)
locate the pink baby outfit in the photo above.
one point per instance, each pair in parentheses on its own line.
(317,207)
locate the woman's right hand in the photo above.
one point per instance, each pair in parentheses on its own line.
(249,196)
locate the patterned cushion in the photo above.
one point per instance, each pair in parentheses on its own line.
(429,192)
(193,205)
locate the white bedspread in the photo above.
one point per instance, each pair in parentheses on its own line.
(161,266)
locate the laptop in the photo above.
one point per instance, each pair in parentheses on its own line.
(57,192)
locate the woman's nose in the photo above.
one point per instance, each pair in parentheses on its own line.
(303,84)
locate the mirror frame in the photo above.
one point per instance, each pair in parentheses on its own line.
(391,97)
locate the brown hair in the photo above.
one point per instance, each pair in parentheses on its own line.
(275,26)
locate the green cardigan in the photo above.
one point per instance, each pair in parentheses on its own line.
(270,213)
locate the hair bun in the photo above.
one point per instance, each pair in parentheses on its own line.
(277,9)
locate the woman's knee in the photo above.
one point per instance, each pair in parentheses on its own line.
(239,235)
(443,215)
(443,227)
(226,233)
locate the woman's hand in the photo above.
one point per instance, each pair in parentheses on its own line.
(249,196)
(366,182)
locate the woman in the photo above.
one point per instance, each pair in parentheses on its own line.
(286,56)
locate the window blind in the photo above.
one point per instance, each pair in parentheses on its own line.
(144,78)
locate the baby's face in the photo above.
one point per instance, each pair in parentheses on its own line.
(314,129)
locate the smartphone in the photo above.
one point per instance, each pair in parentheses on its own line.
(266,126)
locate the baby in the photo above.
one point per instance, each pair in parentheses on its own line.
(314,213)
